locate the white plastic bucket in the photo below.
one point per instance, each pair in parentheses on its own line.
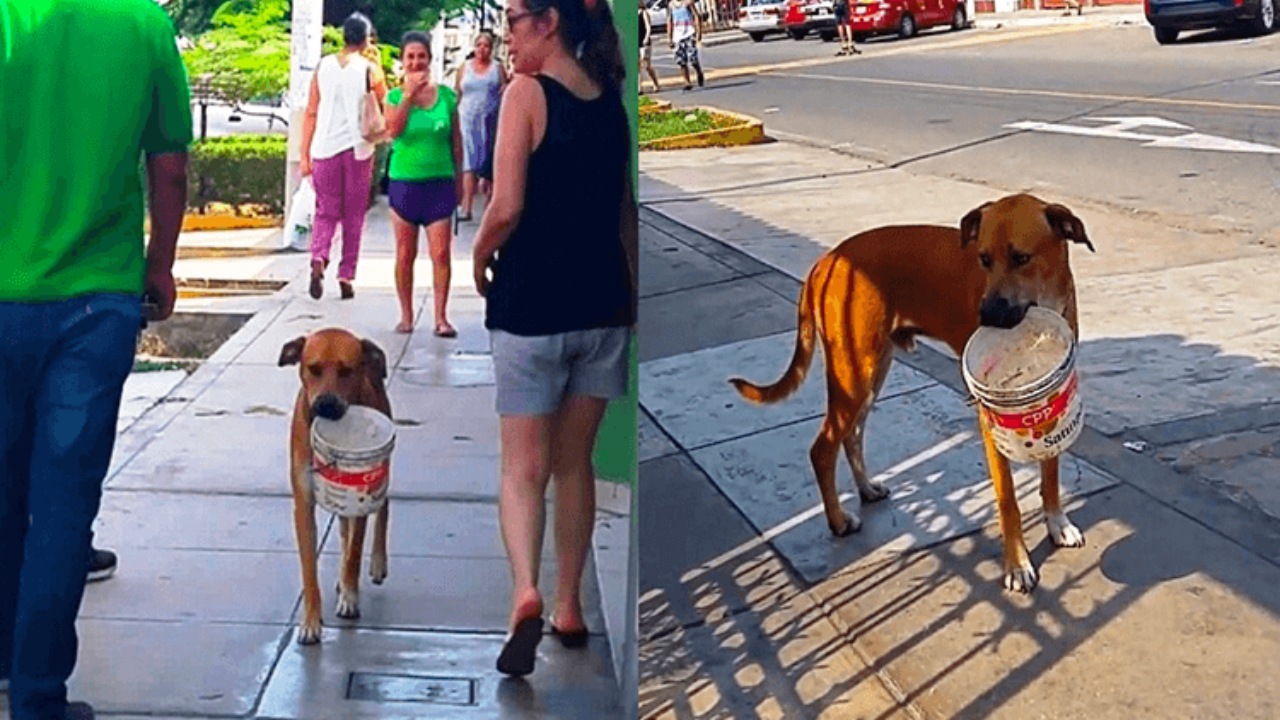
(1026,385)
(352,461)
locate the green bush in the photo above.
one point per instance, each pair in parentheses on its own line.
(237,169)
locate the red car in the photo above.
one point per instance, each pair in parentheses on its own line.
(874,17)
(905,17)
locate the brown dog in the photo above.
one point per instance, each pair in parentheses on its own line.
(881,288)
(338,370)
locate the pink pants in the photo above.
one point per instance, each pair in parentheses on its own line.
(342,196)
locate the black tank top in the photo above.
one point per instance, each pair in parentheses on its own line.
(564,267)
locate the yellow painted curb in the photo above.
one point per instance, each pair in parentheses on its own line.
(748,131)
(656,107)
(196,223)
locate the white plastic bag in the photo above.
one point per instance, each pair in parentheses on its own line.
(301,214)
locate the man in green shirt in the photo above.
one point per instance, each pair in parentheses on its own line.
(86,87)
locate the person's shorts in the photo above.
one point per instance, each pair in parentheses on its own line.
(842,12)
(423,202)
(687,52)
(534,374)
(646,53)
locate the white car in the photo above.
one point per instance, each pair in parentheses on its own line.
(658,16)
(759,18)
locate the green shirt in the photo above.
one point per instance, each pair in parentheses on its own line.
(424,151)
(85,87)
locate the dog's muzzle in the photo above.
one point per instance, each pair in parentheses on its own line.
(998,312)
(329,407)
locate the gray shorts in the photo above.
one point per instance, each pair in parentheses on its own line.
(535,373)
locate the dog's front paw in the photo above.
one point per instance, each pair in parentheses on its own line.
(1062,532)
(378,569)
(873,491)
(309,632)
(851,526)
(1020,577)
(348,605)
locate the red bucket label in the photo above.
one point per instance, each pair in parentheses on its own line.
(1048,412)
(355,480)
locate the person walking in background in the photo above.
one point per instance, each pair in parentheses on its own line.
(426,155)
(645,24)
(844,26)
(560,305)
(337,155)
(81,108)
(479,86)
(684,35)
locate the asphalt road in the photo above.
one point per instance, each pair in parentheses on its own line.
(965,105)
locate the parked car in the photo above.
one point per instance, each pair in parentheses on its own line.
(658,16)
(806,16)
(1170,17)
(759,18)
(905,17)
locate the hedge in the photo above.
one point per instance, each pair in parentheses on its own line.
(237,170)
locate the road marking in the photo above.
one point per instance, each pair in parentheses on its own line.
(982,38)
(1122,128)
(1061,94)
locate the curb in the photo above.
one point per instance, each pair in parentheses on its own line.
(1113,20)
(748,131)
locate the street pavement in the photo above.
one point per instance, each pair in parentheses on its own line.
(1185,134)
(754,610)
(199,620)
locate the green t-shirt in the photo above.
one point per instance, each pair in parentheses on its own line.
(424,151)
(86,86)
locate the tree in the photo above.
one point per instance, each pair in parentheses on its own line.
(246,54)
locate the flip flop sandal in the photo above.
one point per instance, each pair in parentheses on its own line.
(571,639)
(447,332)
(521,649)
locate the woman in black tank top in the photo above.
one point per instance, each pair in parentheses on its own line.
(559,238)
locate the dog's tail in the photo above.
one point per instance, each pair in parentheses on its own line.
(800,359)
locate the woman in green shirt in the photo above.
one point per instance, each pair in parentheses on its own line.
(422,119)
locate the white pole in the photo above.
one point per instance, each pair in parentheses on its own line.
(306,38)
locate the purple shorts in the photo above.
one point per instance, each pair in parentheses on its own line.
(423,202)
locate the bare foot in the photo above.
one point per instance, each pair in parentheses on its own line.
(404,327)
(527,604)
(445,330)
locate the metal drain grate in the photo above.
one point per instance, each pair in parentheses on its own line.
(381,687)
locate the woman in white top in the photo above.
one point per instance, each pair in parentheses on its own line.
(336,155)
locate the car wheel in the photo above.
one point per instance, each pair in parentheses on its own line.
(798,34)
(906,26)
(1166,35)
(1265,22)
(758,37)
(827,36)
(958,21)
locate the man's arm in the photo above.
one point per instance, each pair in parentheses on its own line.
(165,140)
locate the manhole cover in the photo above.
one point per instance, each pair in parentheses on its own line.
(380,687)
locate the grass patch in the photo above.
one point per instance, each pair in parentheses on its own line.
(646,101)
(145,366)
(659,125)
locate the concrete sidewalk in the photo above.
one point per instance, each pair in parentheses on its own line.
(199,621)
(1170,609)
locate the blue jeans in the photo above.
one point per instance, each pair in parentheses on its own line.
(62,371)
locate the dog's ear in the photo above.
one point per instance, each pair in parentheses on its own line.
(374,359)
(291,353)
(969,224)
(1066,224)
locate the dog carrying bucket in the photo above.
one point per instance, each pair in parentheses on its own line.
(352,461)
(1026,385)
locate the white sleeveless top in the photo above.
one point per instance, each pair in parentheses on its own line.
(338,117)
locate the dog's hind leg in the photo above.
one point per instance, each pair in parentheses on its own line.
(349,577)
(378,559)
(868,489)
(823,454)
(1061,531)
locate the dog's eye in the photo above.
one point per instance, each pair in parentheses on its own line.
(1018,259)
(315,370)
(344,372)
(985,259)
